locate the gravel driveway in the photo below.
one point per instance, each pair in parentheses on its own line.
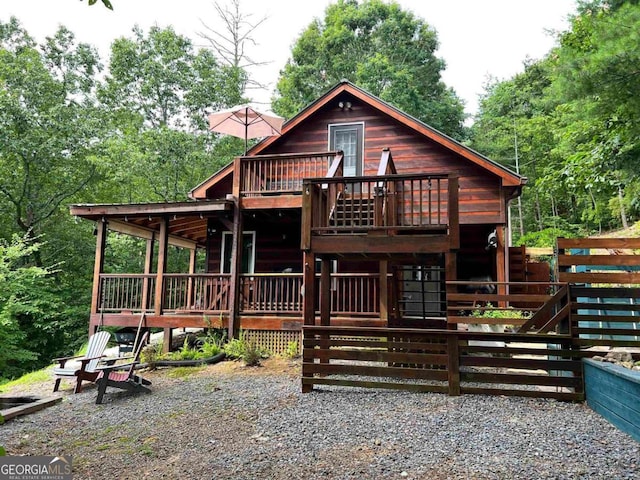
(232,422)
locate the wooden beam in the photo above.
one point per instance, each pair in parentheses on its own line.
(271,201)
(98,264)
(410,244)
(148,233)
(154,209)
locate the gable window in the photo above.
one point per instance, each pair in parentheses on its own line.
(248,252)
(349,138)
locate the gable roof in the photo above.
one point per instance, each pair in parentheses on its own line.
(509,178)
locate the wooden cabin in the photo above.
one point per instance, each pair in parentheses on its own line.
(356,215)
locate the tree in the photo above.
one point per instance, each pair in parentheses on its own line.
(50,125)
(21,303)
(380,47)
(231,45)
(158,91)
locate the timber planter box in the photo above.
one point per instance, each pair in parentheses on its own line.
(614,392)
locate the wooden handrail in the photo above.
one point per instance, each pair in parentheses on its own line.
(337,166)
(386,166)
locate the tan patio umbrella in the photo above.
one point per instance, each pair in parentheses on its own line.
(244,121)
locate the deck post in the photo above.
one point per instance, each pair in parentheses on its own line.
(453,364)
(192,270)
(148,261)
(308,284)
(236,270)
(501,265)
(163,240)
(308,309)
(98,265)
(384,291)
(451,267)
(325,291)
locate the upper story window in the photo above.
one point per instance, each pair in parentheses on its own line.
(349,138)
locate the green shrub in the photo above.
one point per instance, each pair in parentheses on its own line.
(242,349)
(292,350)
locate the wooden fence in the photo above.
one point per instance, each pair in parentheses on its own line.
(604,279)
(444,361)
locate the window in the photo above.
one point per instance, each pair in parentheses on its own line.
(248,252)
(349,138)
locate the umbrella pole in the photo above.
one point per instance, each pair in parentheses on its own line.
(246,134)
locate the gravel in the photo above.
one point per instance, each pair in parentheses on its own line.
(227,421)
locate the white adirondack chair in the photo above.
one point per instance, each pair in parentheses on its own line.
(82,367)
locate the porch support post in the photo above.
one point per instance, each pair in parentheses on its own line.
(236,270)
(309,279)
(501,263)
(163,239)
(98,265)
(325,292)
(148,261)
(192,270)
(308,312)
(384,292)
(451,274)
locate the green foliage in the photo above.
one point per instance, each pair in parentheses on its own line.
(32,378)
(292,350)
(571,119)
(183,372)
(379,47)
(508,313)
(24,300)
(241,348)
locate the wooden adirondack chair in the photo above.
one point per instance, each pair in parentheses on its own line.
(123,376)
(82,367)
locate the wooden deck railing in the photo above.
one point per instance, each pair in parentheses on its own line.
(271,293)
(196,292)
(132,292)
(354,294)
(271,174)
(260,293)
(388,203)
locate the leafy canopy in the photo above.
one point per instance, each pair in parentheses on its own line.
(379,47)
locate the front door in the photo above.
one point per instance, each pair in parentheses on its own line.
(348,137)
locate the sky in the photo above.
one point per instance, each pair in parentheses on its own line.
(479,39)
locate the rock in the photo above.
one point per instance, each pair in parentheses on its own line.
(618,356)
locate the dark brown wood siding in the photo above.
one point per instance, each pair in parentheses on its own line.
(277,243)
(480,191)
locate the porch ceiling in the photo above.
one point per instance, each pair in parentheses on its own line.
(187,221)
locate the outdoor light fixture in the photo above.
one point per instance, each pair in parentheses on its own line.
(344,105)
